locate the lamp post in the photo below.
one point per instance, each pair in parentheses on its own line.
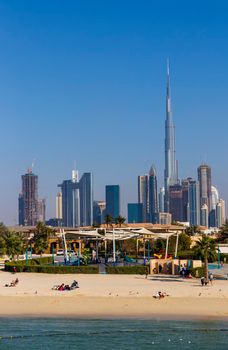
(148,248)
(219,265)
(144,252)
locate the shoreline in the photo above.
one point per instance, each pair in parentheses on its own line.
(113,308)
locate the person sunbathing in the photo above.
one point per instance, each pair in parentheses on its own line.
(13,283)
(74,285)
(160,295)
(61,287)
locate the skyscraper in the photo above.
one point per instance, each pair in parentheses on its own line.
(41,210)
(86,199)
(176,202)
(204,177)
(134,212)
(28,200)
(194,203)
(77,200)
(112,196)
(59,207)
(171,171)
(204,215)
(152,196)
(161,198)
(143,195)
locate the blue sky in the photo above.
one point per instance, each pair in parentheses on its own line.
(85,81)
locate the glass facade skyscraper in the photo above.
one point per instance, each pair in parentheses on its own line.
(134,211)
(112,197)
(171,171)
(77,201)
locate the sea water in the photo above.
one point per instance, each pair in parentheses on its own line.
(121,334)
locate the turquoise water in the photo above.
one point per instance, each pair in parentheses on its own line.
(111,334)
(214,266)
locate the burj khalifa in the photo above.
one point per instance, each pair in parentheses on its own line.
(171,169)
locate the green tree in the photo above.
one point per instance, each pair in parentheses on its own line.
(14,243)
(108,220)
(2,246)
(41,237)
(120,220)
(223,234)
(206,248)
(192,230)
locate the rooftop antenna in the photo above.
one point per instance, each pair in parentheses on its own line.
(30,170)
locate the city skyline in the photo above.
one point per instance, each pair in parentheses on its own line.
(72,86)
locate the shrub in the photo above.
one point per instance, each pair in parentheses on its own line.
(197,272)
(127,270)
(51,269)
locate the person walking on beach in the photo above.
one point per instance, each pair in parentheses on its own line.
(210,277)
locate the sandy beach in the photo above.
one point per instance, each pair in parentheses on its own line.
(110,296)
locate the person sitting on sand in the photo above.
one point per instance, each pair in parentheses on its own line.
(13,283)
(74,285)
(160,295)
(61,287)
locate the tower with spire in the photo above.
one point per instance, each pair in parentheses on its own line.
(171,171)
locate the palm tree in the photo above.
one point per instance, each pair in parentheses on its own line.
(206,248)
(2,246)
(41,237)
(223,234)
(13,244)
(120,220)
(108,219)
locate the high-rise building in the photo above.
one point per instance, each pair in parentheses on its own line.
(112,196)
(28,200)
(194,205)
(204,215)
(175,202)
(171,171)
(161,199)
(67,202)
(152,196)
(185,198)
(98,212)
(21,217)
(77,200)
(214,202)
(86,199)
(41,210)
(134,211)
(164,218)
(59,206)
(143,195)
(220,213)
(204,177)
